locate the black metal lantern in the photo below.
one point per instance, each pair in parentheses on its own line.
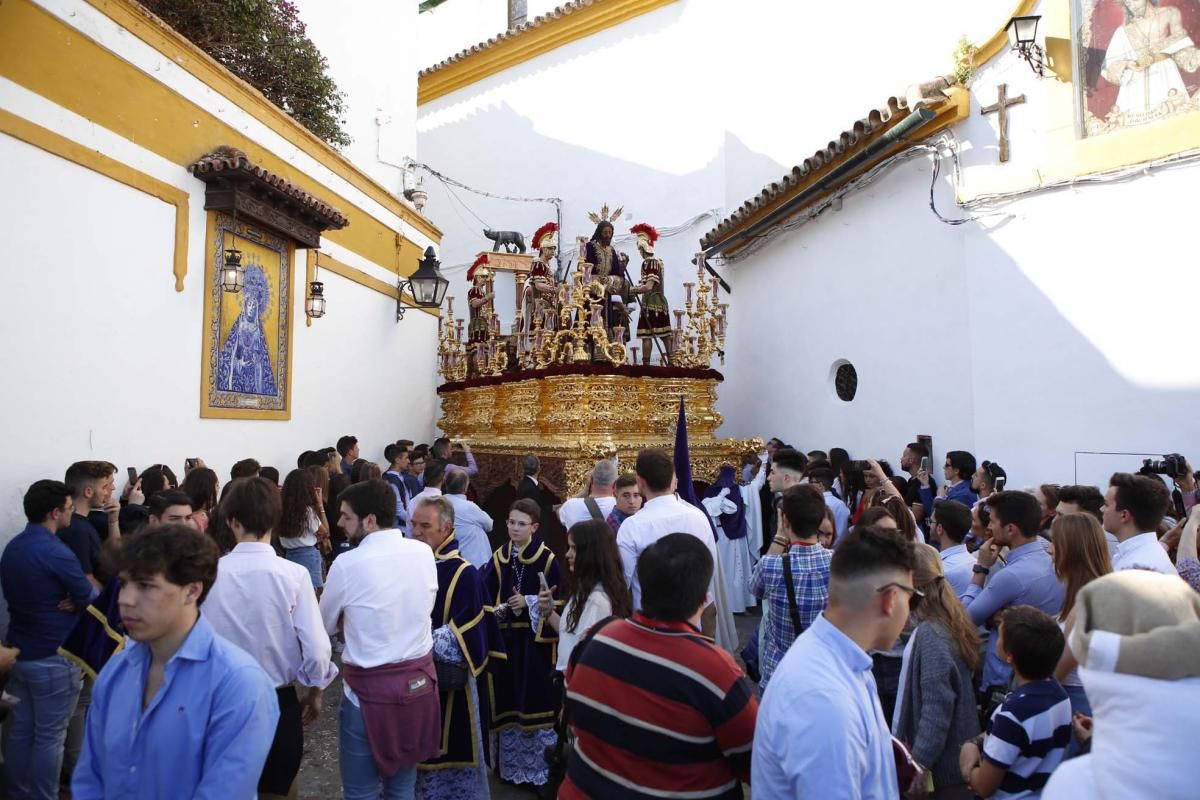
(314,304)
(427,285)
(1022,35)
(233,274)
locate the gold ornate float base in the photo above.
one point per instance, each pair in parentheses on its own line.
(573,417)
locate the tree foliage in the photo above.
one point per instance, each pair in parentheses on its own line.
(264,43)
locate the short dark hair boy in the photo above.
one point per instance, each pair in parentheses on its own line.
(656,469)
(255,503)
(674,573)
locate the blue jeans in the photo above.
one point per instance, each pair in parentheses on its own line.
(360,777)
(47,689)
(310,559)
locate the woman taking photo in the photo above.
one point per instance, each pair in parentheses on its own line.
(302,523)
(935,711)
(599,588)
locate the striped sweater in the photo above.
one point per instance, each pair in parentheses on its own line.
(658,709)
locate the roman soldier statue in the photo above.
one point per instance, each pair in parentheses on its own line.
(541,290)
(654,321)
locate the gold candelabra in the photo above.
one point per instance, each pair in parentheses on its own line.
(694,344)
(452,355)
(581,322)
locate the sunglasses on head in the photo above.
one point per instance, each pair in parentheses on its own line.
(915,594)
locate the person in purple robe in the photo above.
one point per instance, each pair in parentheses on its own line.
(725,506)
(524,697)
(464,637)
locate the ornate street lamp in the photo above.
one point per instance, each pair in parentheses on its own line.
(233,274)
(427,285)
(1022,35)
(314,304)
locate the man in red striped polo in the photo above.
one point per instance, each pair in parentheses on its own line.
(657,708)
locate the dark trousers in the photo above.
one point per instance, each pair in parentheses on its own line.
(283,762)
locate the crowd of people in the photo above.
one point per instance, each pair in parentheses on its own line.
(913,639)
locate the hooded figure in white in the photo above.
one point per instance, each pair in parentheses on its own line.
(1137,639)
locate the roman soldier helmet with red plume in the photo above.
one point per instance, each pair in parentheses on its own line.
(546,236)
(479,267)
(646,236)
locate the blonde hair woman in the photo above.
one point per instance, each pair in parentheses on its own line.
(936,706)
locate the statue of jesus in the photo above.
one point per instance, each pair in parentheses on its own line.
(608,267)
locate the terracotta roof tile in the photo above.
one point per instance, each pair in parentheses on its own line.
(561,11)
(230,159)
(894,109)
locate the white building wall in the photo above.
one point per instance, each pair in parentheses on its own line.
(1029,337)
(371,46)
(103,356)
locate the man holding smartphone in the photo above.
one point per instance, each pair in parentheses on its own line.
(914,459)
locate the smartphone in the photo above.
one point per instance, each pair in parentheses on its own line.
(925,463)
(1000,481)
(191,463)
(542,580)
(132,472)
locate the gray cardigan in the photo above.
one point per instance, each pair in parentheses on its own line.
(939,713)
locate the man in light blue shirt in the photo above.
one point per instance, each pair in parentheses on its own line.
(821,732)
(180,712)
(471,523)
(1027,579)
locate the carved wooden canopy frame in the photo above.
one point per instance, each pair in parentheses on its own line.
(235,184)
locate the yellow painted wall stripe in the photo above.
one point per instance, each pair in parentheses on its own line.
(166,40)
(529,44)
(45,139)
(52,59)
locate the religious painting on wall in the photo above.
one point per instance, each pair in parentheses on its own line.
(247,334)
(1136,62)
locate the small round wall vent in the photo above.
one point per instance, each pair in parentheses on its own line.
(845,380)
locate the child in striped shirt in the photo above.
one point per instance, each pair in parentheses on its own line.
(1028,734)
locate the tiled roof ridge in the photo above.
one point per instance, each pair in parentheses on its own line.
(231,158)
(873,122)
(556,13)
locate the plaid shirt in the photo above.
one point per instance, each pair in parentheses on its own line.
(810,577)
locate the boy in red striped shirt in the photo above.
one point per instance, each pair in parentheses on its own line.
(655,705)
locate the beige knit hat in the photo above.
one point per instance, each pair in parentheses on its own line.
(1138,622)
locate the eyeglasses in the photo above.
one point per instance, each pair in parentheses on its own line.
(915,595)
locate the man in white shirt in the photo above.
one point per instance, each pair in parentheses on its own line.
(266,606)
(381,595)
(1133,508)
(600,492)
(435,476)
(949,526)
(662,513)
(820,730)
(471,523)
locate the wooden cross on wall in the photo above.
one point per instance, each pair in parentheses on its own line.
(1001,107)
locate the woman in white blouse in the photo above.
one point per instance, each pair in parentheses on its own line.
(599,589)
